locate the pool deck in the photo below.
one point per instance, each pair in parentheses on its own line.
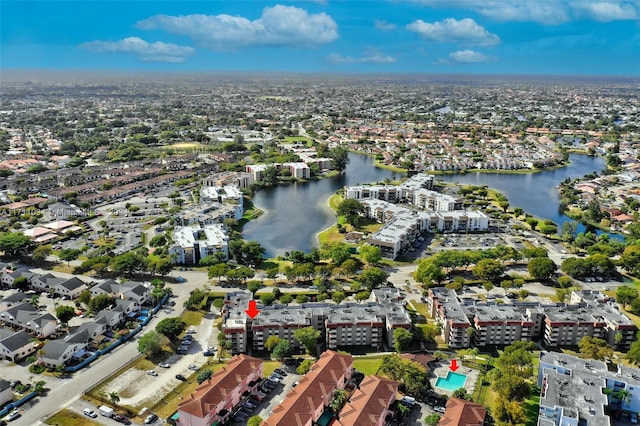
(442,369)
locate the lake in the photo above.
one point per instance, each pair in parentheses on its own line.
(295,213)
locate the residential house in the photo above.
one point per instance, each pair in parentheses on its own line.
(6,393)
(26,317)
(111,318)
(460,412)
(369,404)
(59,352)
(305,403)
(214,400)
(16,345)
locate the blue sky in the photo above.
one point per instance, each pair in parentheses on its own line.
(557,37)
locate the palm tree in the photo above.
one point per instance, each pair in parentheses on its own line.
(623,395)
(114,397)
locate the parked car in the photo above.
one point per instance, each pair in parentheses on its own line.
(181,377)
(121,419)
(150,419)
(89,413)
(280,371)
(13,415)
(439,409)
(208,353)
(15,383)
(275,375)
(192,367)
(191,330)
(164,365)
(153,373)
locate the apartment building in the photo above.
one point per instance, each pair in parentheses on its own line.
(402,226)
(445,307)
(559,325)
(571,391)
(192,243)
(257,171)
(368,324)
(369,404)
(298,170)
(305,403)
(214,400)
(405,192)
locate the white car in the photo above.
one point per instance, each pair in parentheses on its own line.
(13,415)
(164,365)
(192,367)
(153,373)
(440,409)
(89,413)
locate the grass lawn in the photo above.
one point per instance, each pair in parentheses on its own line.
(330,235)
(292,139)
(531,409)
(69,418)
(335,200)
(420,308)
(269,366)
(192,317)
(367,365)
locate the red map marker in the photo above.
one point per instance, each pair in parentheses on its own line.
(454,365)
(251,310)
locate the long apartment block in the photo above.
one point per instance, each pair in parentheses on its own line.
(559,325)
(370,323)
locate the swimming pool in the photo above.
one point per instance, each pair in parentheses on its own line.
(452,382)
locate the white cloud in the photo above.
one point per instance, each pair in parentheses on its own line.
(469,57)
(384,25)
(465,31)
(149,52)
(546,12)
(371,57)
(278,26)
(605,11)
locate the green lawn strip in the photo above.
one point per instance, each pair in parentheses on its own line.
(368,365)
(67,417)
(192,318)
(532,409)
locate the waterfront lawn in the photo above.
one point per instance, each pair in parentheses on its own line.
(67,417)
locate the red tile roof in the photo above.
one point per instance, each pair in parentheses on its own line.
(368,403)
(221,384)
(463,413)
(300,404)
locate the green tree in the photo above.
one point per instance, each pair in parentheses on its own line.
(219,270)
(625,295)
(271,343)
(595,348)
(171,327)
(204,375)
(633,355)
(100,302)
(565,281)
(338,296)
(41,253)
(85,297)
(304,366)
(128,263)
(267,299)
(339,398)
(282,350)
(488,269)
(308,338)
(340,157)
(630,259)
(432,419)
(254,421)
(65,313)
(371,254)
(151,343)
(336,251)
(462,394)
(402,339)
(69,254)
(373,277)
(541,268)
(429,271)
(13,243)
(20,283)
(351,210)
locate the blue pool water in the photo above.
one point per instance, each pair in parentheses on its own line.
(452,382)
